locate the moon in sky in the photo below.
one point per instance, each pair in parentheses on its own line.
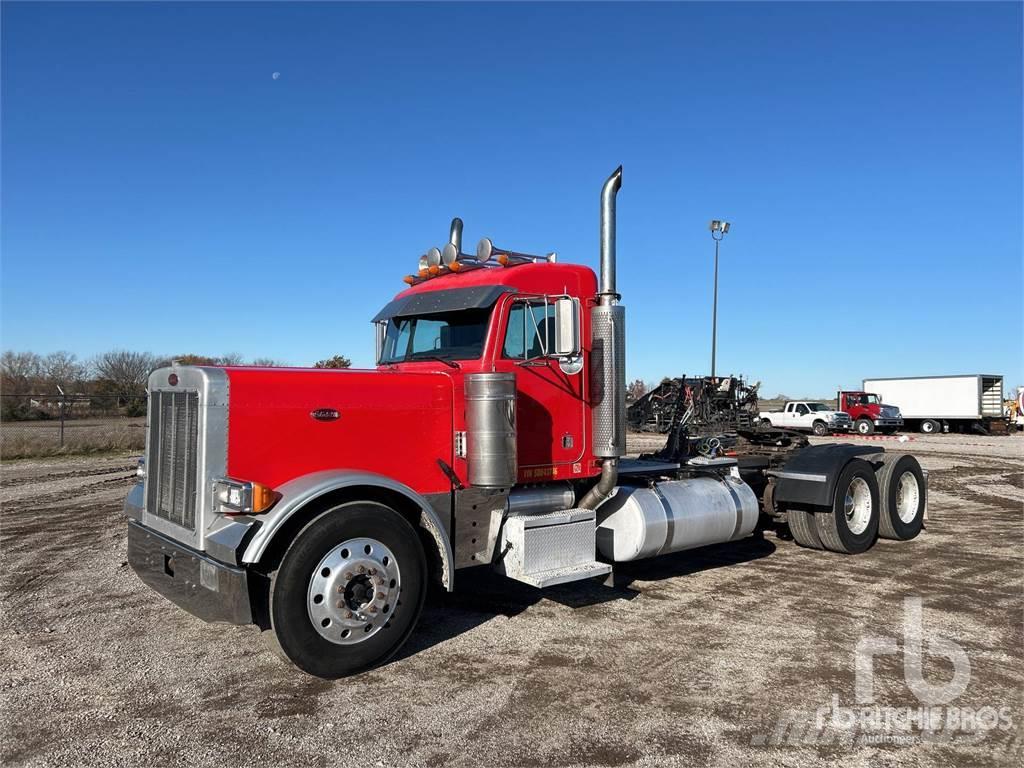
(276,75)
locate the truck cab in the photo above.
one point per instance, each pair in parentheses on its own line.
(868,413)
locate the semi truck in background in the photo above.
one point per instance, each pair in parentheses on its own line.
(931,404)
(318,505)
(868,413)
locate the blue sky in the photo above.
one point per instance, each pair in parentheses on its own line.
(163,191)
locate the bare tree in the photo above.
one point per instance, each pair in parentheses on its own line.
(268,362)
(62,369)
(636,390)
(338,361)
(124,373)
(20,372)
(231,358)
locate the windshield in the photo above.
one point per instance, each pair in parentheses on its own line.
(818,407)
(451,335)
(863,399)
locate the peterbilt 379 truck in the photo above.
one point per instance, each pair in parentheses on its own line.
(319,504)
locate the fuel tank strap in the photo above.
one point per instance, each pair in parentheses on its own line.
(670,523)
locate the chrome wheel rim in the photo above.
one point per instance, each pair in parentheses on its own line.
(862,428)
(908,497)
(857,505)
(354,591)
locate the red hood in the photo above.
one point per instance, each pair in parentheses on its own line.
(389,422)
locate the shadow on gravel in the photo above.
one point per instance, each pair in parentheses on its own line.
(483,594)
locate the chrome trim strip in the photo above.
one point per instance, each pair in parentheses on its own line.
(807,476)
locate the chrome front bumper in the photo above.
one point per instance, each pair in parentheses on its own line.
(202,586)
(888,422)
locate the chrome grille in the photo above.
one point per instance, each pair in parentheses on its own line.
(172,460)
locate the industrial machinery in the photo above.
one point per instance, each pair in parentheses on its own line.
(319,504)
(706,406)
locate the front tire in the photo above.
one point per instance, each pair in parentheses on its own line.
(349,590)
(865,427)
(820,428)
(765,423)
(851,525)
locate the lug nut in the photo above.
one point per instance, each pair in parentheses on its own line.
(348,614)
(348,575)
(373,609)
(380,595)
(341,604)
(373,571)
(362,569)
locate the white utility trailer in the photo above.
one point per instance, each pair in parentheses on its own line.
(970,402)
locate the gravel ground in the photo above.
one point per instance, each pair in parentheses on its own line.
(718,656)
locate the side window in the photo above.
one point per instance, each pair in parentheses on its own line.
(531,331)
(802,409)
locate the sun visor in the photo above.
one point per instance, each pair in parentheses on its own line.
(436,302)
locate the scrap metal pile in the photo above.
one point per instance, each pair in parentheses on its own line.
(703,406)
(705,417)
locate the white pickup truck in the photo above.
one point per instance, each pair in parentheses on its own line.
(813,417)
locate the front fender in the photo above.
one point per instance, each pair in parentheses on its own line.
(297,493)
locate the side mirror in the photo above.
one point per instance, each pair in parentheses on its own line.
(567,327)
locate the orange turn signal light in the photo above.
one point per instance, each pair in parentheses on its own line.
(408,279)
(263,498)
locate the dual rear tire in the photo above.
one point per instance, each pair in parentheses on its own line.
(887,501)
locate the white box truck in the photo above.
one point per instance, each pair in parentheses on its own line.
(968,403)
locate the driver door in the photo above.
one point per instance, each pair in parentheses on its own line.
(552,425)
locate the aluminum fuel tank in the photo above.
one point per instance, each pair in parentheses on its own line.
(673,516)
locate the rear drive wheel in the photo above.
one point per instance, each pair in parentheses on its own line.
(865,427)
(851,525)
(765,423)
(820,428)
(349,590)
(801,525)
(903,493)
(930,426)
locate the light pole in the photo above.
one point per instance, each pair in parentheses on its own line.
(718,230)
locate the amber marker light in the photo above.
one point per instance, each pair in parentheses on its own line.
(409,279)
(233,497)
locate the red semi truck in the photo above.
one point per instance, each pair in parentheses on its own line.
(318,504)
(868,413)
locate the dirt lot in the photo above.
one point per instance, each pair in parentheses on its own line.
(720,656)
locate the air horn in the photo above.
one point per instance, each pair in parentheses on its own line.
(486,250)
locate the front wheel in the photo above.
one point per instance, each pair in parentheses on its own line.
(765,423)
(865,427)
(349,590)
(820,428)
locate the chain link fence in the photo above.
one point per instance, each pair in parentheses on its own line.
(46,425)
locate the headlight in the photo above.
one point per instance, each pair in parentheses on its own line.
(140,470)
(233,497)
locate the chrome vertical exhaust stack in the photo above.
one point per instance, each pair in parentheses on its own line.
(455,234)
(606,290)
(607,358)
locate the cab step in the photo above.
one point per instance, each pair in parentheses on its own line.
(550,548)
